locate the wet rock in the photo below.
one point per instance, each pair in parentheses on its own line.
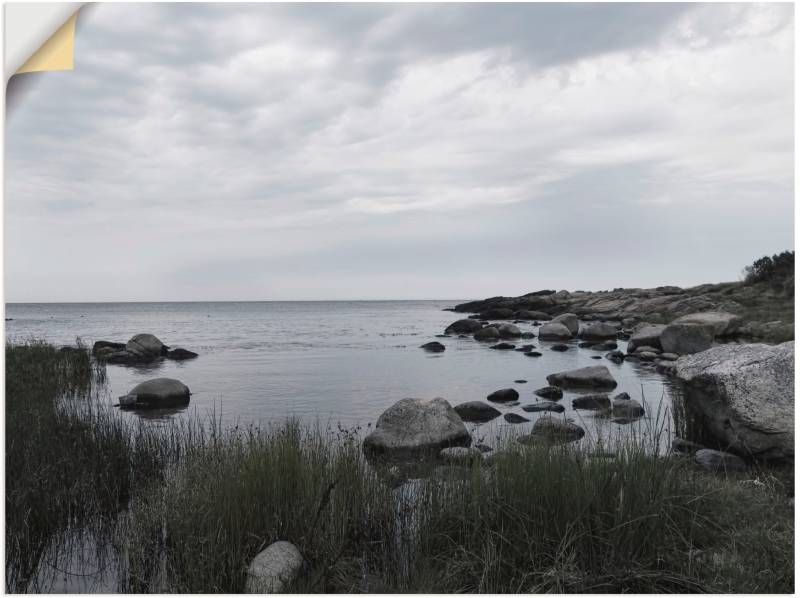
(514,418)
(544,406)
(599,331)
(157,393)
(549,392)
(145,346)
(533,354)
(527,335)
(273,569)
(604,346)
(520,381)
(626,408)
(596,402)
(646,356)
(509,331)
(503,346)
(180,354)
(616,356)
(718,460)
(433,347)
(415,426)
(554,331)
(744,396)
(646,349)
(99,345)
(548,429)
(586,344)
(489,333)
(525,348)
(504,395)
(570,321)
(668,356)
(686,339)
(595,357)
(476,411)
(559,347)
(596,376)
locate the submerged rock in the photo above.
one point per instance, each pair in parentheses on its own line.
(503,346)
(414,426)
(433,347)
(533,354)
(476,411)
(596,376)
(273,569)
(626,408)
(156,393)
(744,396)
(560,347)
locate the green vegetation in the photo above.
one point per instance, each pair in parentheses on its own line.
(777,270)
(200,502)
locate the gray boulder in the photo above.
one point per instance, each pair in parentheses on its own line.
(554,331)
(509,331)
(721,323)
(626,408)
(544,406)
(598,402)
(273,569)
(145,346)
(744,396)
(718,460)
(570,321)
(414,426)
(463,326)
(549,392)
(476,411)
(599,331)
(596,376)
(489,333)
(548,429)
(156,393)
(685,339)
(503,346)
(647,335)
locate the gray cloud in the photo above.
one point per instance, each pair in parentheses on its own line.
(355,151)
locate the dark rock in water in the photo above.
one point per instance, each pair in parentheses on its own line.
(559,347)
(616,356)
(549,392)
(520,381)
(570,321)
(527,335)
(412,427)
(597,402)
(680,445)
(433,347)
(595,357)
(159,392)
(514,418)
(525,348)
(544,406)
(596,376)
(605,346)
(623,336)
(646,349)
(498,313)
(533,354)
(646,356)
(548,429)
(442,335)
(599,331)
(462,336)
(509,331)
(586,344)
(626,408)
(476,411)
(107,345)
(718,460)
(180,354)
(146,346)
(531,315)
(464,326)
(503,395)
(489,333)
(623,396)
(503,346)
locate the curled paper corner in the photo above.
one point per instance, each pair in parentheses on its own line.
(55,54)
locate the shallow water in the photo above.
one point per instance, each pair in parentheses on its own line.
(341,362)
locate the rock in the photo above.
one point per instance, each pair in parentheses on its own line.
(595,357)
(460,455)
(273,569)
(498,313)
(586,344)
(599,331)
(489,333)
(467,326)
(646,356)
(646,335)
(718,460)
(604,346)
(668,356)
(525,314)
(514,418)
(626,408)
(721,323)
(559,347)
(646,349)
(156,393)
(476,411)
(145,346)
(520,381)
(596,376)
(433,347)
(679,445)
(180,354)
(623,396)
(509,331)
(503,346)
(533,354)
(551,430)
(549,392)
(570,321)
(503,395)
(527,335)
(544,406)
(554,331)
(107,345)
(525,348)
(414,426)
(685,339)
(598,402)
(744,395)
(615,356)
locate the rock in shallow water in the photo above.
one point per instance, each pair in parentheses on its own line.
(596,402)
(145,346)
(414,426)
(549,392)
(476,411)
(433,347)
(596,376)
(488,333)
(544,406)
(180,354)
(156,393)
(554,331)
(570,321)
(503,395)
(548,429)
(463,326)
(515,418)
(503,346)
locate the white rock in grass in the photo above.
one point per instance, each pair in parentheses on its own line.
(273,569)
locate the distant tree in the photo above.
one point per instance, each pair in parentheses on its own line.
(777,270)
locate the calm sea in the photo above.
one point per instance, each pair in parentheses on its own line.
(339,362)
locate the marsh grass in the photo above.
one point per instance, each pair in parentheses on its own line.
(186,508)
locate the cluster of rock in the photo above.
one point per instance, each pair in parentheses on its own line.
(140,349)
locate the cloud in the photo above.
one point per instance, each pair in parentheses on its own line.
(191,135)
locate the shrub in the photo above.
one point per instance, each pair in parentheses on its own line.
(775,270)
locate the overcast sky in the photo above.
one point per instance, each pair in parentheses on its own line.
(224,152)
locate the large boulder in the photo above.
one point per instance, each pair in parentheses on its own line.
(414,426)
(570,321)
(157,393)
(489,333)
(596,376)
(599,331)
(476,411)
(744,396)
(648,335)
(509,331)
(721,323)
(554,331)
(466,326)
(273,569)
(685,339)
(146,346)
